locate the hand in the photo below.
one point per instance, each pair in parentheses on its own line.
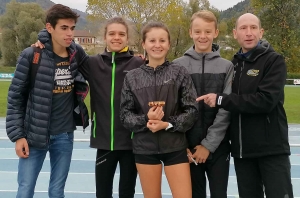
(201,154)
(189,154)
(22,149)
(156,125)
(38,44)
(141,56)
(155,113)
(209,99)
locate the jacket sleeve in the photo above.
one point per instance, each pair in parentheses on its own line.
(83,62)
(268,94)
(18,96)
(129,118)
(189,113)
(216,132)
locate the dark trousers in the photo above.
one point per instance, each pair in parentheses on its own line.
(270,174)
(106,163)
(217,171)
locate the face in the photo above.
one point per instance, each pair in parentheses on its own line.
(116,37)
(203,34)
(156,44)
(62,34)
(248,32)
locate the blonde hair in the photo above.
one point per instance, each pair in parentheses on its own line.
(206,15)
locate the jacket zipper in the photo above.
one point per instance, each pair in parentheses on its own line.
(240,119)
(53,77)
(112,102)
(82,121)
(202,93)
(156,98)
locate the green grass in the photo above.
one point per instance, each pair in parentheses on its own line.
(292,104)
(7,69)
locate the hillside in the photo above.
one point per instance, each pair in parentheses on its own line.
(238,9)
(46,4)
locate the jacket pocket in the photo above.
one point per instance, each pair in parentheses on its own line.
(267,127)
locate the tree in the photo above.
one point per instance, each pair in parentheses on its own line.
(280,19)
(139,12)
(20,24)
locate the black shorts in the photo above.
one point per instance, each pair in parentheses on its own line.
(167,159)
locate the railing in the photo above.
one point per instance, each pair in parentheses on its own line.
(295,81)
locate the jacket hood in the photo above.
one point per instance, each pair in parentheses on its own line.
(198,56)
(262,48)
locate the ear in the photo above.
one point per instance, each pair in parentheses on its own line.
(261,33)
(190,32)
(216,33)
(143,45)
(234,33)
(49,28)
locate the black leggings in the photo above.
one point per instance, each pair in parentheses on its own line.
(106,163)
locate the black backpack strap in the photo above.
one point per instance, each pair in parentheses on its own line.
(36,59)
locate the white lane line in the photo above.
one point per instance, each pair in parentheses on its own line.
(75,140)
(115,193)
(117,174)
(47,159)
(90,149)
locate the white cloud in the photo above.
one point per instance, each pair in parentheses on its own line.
(81,4)
(76,4)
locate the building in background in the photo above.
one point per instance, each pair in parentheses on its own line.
(85,39)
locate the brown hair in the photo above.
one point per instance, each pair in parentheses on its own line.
(206,15)
(59,11)
(118,20)
(151,25)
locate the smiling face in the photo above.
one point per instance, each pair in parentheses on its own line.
(156,44)
(63,32)
(203,34)
(248,31)
(116,37)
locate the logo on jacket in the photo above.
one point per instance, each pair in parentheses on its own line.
(252,72)
(166,81)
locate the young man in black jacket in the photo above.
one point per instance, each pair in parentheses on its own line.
(258,130)
(42,111)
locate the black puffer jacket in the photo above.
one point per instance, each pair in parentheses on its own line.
(28,114)
(170,83)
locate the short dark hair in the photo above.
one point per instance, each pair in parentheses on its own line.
(118,20)
(59,11)
(151,25)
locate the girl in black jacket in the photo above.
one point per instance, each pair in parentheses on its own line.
(159,131)
(105,73)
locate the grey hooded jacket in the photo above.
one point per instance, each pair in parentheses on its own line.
(211,74)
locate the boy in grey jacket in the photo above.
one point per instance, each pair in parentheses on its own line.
(208,143)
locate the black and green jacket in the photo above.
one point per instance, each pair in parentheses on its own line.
(105,73)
